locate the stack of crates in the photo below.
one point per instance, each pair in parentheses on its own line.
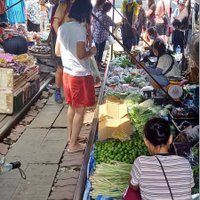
(12,100)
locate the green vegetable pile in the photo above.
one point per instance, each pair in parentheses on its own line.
(126,151)
(125,63)
(128,79)
(133,99)
(141,113)
(110,180)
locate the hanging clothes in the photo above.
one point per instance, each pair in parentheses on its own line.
(3,16)
(16,14)
(2,7)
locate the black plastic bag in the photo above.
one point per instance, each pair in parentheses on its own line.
(182,20)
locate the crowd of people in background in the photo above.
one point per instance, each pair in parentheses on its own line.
(75,24)
(75,50)
(138,23)
(159,16)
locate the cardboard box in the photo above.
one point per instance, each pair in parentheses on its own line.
(11,100)
(6,79)
(114,121)
(17,90)
(6,105)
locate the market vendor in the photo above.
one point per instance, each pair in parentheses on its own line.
(160,175)
(165,67)
(149,36)
(13,44)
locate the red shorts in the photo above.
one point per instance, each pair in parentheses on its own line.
(79,90)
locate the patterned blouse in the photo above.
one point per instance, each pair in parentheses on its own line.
(100,34)
(33,11)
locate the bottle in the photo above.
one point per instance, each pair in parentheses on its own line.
(178,53)
(6,168)
(178,49)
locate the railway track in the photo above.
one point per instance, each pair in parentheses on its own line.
(28,113)
(9,121)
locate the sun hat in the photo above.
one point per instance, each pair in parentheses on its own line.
(139,2)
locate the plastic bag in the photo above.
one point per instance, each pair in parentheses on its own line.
(110,40)
(181,21)
(183,142)
(94,68)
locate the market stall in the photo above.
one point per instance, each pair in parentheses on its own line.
(117,139)
(119,135)
(19,65)
(19,81)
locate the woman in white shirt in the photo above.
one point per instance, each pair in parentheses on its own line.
(78,83)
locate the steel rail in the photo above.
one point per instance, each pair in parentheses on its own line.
(78,195)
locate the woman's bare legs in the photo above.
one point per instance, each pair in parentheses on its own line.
(75,120)
(70,117)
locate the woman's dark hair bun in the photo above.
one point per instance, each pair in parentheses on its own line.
(157,131)
(160,46)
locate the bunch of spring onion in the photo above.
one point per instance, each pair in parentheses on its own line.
(110,180)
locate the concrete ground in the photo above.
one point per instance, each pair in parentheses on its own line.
(51,171)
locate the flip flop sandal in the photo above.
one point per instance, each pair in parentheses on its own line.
(103,65)
(102,69)
(82,140)
(76,150)
(97,85)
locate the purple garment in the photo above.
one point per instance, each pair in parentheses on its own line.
(100,34)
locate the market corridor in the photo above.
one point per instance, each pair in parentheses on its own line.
(42,150)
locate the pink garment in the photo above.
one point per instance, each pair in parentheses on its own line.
(2,7)
(162,7)
(130,194)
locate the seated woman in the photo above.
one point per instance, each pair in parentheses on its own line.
(149,36)
(160,175)
(13,44)
(165,67)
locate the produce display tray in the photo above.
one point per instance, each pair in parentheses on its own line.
(120,53)
(43,51)
(184,114)
(177,123)
(180,119)
(99,156)
(39,55)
